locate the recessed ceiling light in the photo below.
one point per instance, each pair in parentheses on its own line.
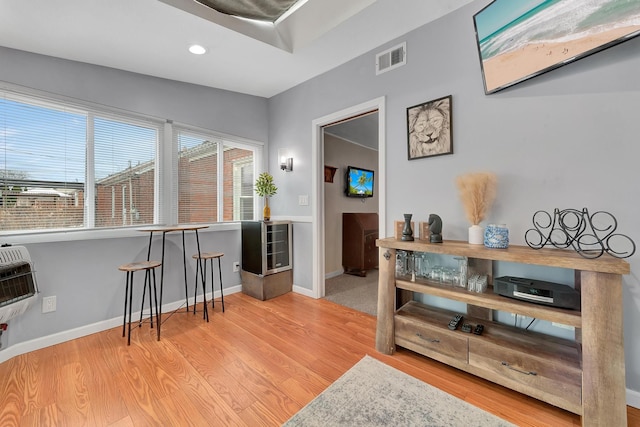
(196,49)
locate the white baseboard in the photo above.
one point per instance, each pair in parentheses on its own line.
(303,291)
(82,331)
(334,274)
(60,337)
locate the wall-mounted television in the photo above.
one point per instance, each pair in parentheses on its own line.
(358,182)
(518,40)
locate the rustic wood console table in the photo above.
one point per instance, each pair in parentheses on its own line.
(585,376)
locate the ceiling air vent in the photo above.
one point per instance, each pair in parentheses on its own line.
(391,58)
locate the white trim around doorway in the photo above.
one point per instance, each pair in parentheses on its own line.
(317,179)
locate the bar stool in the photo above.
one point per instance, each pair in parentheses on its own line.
(204,257)
(205,310)
(149,267)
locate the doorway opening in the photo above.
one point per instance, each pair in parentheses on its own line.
(318,163)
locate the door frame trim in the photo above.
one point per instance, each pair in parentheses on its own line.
(317,178)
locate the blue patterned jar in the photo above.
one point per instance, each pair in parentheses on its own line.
(496,236)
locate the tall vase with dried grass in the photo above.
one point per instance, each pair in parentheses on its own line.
(477,192)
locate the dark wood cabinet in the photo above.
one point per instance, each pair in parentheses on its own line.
(359,235)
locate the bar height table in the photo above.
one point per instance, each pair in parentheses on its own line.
(164,229)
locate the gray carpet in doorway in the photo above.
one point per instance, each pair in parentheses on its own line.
(359,293)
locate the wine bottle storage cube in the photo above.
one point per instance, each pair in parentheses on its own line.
(266,258)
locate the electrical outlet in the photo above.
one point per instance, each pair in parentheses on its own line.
(236,267)
(48,304)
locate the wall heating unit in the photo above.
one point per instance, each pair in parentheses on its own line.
(18,288)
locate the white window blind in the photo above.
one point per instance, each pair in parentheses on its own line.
(241,193)
(197,178)
(63,166)
(125,157)
(42,149)
(213,189)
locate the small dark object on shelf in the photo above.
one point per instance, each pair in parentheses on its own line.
(466,328)
(407,231)
(435,229)
(478,330)
(577,229)
(454,322)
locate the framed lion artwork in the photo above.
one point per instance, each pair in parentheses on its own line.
(429,129)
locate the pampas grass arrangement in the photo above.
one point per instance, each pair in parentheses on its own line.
(477,192)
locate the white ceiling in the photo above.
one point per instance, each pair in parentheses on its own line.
(152,36)
(361,130)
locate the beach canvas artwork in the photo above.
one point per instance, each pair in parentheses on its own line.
(521,39)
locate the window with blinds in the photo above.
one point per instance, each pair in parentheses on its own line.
(215,178)
(239,164)
(197,178)
(125,157)
(66,167)
(42,149)
(70,166)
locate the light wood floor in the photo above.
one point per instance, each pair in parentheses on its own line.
(254,365)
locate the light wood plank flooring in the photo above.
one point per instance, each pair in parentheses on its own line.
(254,365)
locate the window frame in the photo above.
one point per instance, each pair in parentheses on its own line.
(222,140)
(91,112)
(166,183)
(237,175)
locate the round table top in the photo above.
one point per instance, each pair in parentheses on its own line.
(174,227)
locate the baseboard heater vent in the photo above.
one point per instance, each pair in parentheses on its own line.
(18,287)
(391,59)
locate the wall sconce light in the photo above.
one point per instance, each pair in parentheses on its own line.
(286,162)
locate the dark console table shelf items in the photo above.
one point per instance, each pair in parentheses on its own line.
(585,376)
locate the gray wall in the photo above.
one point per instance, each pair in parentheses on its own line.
(83,274)
(566,139)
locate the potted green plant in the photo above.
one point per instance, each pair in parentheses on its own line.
(266,188)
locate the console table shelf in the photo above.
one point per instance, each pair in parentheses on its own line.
(585,376)
(493,301)
(518,254)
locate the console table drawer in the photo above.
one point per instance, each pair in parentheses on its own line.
(426,339)
(547,378)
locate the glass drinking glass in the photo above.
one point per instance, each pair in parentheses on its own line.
(436,273)
(417,263)
(447,275)
(425,266)
(463,268)
(401,263)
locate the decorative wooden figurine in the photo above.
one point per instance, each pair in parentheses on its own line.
(435,229)
(407,231)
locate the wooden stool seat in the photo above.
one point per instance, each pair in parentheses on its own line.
(208,255)
(149,267)
(139,265)
(204,256)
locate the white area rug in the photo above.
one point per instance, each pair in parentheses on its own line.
(374,394)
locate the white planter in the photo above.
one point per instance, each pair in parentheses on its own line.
(476,235)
